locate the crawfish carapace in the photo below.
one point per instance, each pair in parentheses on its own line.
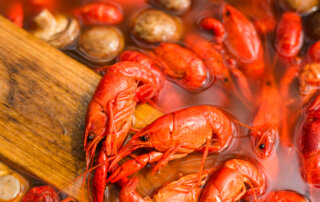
(110,111)
(175,135)
(237,179)
(243,42)
(289,35)
(308,143)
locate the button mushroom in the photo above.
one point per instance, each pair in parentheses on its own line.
(100,44)
(59,31)
(155,26)
(178,6)
(12,185)
(9,187)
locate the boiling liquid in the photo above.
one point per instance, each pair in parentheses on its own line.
(282,169)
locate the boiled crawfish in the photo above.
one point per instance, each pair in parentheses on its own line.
(243,44)
(111,109)
(308,140)
(265,127)
(183,189)
(110,112)
(230,182)
(182,64)
(220,67)
(175,135)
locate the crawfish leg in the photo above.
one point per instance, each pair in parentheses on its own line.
(203,161)
(167,156)
(133,166)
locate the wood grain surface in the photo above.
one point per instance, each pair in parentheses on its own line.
(43,100)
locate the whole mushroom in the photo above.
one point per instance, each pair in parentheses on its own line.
(179,6)
(101,43)
(59,31)
(155,26)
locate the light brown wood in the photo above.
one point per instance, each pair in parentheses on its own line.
(43,100)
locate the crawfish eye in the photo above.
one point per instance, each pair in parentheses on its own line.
(225,79)
(262,146)
(228,13)
(144,138)
(90,137)
(268,83)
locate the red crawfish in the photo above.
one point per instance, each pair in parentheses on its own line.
(237,179)
(212,55)
(182,64)
(265,127)
(15,13)
(181,190)
(111,108)
(289,35)
(175,135)
(99,13)
(44,194)
(308,142)
(284,196)
(242,41)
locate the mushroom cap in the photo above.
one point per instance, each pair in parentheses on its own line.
(101,43)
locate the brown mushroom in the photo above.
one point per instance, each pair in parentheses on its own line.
(101,44)
(178,6)
(59,31)
(301,6)
(155,26)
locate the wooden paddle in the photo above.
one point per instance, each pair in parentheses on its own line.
(43,100)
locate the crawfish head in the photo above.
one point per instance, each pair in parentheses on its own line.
(264,140)
(155,135)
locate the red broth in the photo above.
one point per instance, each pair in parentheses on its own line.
(283,169)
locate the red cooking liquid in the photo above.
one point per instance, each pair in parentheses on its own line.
(282,169)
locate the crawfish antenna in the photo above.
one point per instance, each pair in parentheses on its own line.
(245,125)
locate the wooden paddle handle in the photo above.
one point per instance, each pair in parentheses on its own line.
(43,99)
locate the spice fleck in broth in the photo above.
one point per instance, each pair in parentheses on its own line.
(265,87)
